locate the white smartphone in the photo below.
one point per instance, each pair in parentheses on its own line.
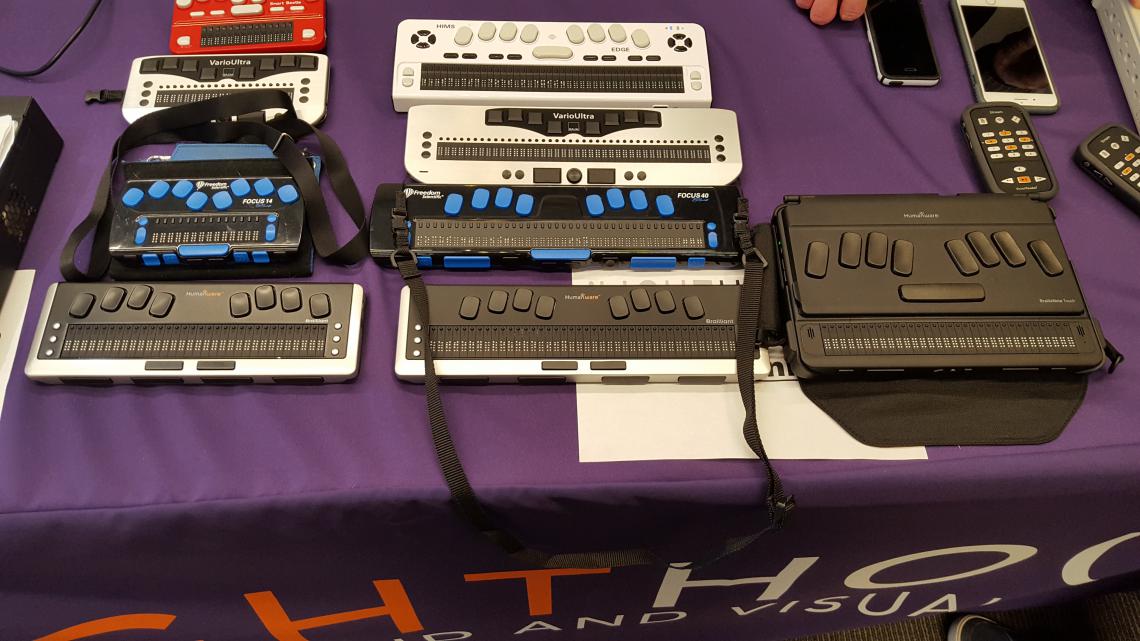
(1003,54)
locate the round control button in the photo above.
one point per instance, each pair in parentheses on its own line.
(629,175)
(574,176)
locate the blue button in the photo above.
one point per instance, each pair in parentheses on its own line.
(696,261)
(453,204)
(169,259)
(260,257)
(151,260)
(223,200)
(615,198)
(480,198)
(423,262)
(524,205)
(240,187)
(467,262)
(711,226)
(142,221)
(197,201)
(263,187)
(665,205)
(653,262)
(288,194)
(133,197)
(560,254)
(219,250)
(714,240)
(272,218)
(159,189)
(270,233)
(638,201)
(241,257)
(182,188)
(594,205)
(140,235)
(503,197)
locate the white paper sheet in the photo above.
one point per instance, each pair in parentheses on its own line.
(660,422)
(12,310)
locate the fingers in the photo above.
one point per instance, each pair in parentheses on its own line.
(1136,3)
(853,9)
(806,4)
(823,11)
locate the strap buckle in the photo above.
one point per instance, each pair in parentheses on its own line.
(756,254)
(780,509)
(402,251)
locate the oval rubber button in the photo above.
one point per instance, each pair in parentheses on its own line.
(503,197)
(159,189)
(480,198)
(263,187)
(529,34)
(638,201)
(486,31)
(549,52)
(197,201)
(182,189)
(133,196)
(665,205)
(615,198)
(525,205)
(617,33)
(463,36)
(240,187)
(288,194)
(222,200)
(453,204)
(594,205)
(574,34)
(507,33)
(640,38)
(597,34)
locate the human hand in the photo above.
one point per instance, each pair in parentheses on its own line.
(823,11)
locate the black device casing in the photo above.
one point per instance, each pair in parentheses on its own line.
(855,318)
(1096,168)
(972,136)
(24,178)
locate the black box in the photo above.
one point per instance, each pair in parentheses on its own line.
(24,176)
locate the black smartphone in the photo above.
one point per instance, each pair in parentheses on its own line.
(900,44)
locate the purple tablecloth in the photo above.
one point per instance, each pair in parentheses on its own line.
(181,502)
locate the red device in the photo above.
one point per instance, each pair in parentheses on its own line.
(247,26)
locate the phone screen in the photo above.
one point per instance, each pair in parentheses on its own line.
(898,30)
(1006,51)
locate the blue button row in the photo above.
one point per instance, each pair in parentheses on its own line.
(203,251)
(223,200)
(524,205)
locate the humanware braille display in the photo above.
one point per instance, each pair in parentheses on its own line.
(925,284)
(473,226)
(1007,151)
(157,82)
(519,145)
(247,26)
(550,64)
(176,217)
(591,334)
(104,333)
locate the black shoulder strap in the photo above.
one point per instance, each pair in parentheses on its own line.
(196,121)
(463,497)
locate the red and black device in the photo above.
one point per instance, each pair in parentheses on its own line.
(247,26)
